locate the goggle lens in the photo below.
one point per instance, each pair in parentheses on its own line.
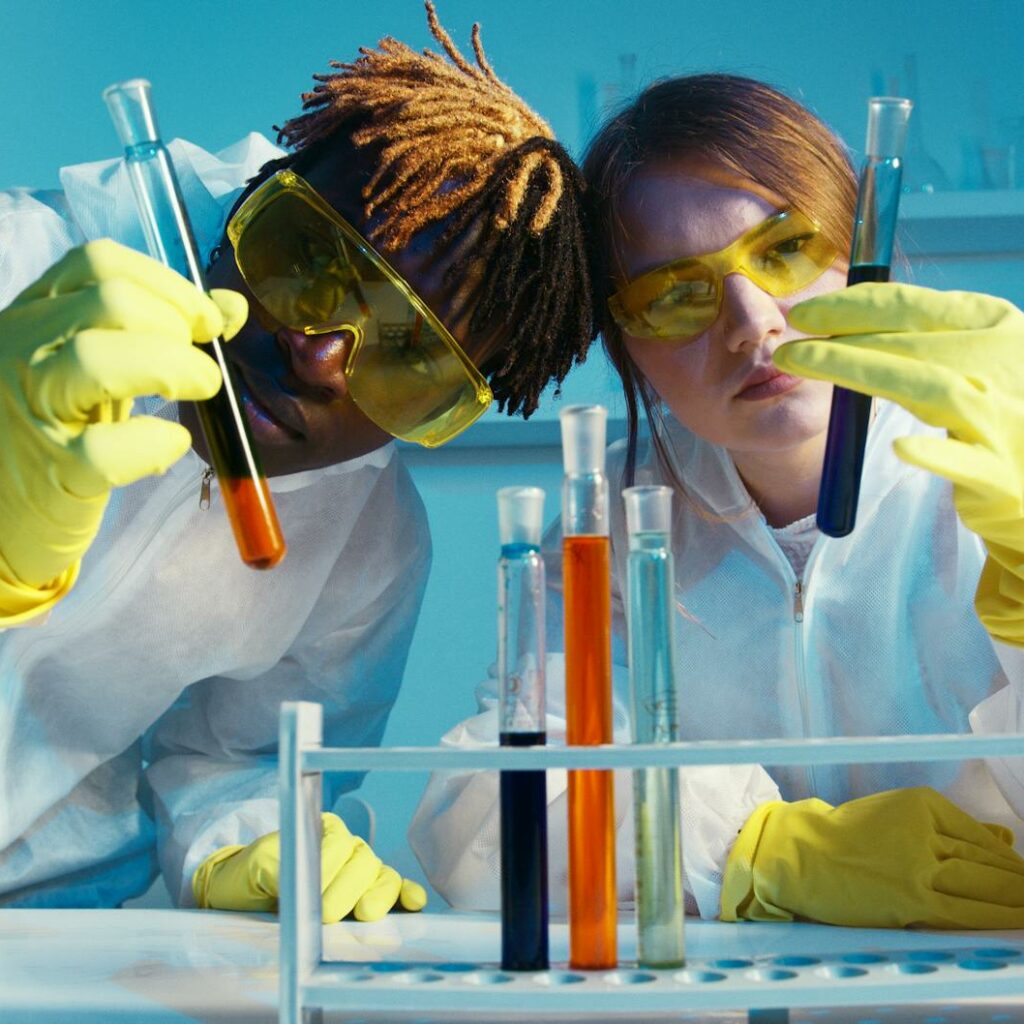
(311,271)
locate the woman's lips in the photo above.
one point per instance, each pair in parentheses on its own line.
(768,386)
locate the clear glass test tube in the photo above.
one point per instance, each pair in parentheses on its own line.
(586,559)
(521,654)
(874,231)
(170,240)
(652,683)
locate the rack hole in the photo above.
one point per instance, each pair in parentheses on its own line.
(696,977)
(559,978)
(770,974)
(977,964)
(416,977)
(913,967)
(488,978)
(795,961)
(731,964)
(630,977)
(840,971)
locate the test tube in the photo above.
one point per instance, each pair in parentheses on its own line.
(521,653)
(169,239)
(588,689)
(652,684)
(874,230)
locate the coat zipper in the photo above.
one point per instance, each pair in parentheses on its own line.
(204,488)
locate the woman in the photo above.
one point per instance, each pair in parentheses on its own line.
(718,206)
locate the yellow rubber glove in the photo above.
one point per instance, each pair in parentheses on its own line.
(904,858)
(954,359)
(353,879)
(102,326)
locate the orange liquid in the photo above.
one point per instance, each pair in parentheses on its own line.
(588,700)
(254,521)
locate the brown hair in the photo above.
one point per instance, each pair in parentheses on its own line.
(742,125)
(448,143)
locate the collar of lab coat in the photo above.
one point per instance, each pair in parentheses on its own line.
(103,204)
(715,491)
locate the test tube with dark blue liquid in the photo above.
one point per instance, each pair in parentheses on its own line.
(874,230)
(521,654)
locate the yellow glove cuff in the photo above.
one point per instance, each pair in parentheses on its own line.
(203,875)
(20,603)
(739,899)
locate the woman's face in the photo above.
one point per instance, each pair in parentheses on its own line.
(722,384)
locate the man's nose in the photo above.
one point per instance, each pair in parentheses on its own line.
(318,360)
(749,314)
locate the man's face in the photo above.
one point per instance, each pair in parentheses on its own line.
(292,385)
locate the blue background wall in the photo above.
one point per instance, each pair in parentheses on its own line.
(220,70)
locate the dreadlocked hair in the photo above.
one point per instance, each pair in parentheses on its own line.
(456,146)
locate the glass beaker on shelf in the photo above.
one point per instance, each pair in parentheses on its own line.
(921,171)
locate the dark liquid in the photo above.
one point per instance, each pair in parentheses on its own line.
(847,438)
(524,863)
(247,499)
(867,272)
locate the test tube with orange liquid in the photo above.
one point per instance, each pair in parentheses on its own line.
(588,686)
(170,240)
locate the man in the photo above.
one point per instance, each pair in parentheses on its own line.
(429,220)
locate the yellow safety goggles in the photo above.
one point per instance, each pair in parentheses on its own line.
(682,299)
(312,271)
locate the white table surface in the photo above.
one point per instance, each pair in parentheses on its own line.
(164,966)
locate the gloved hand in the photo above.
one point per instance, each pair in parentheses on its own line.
(100,327)
(353,879)
(906,857)
(954,359)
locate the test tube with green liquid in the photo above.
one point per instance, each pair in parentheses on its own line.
(654,716)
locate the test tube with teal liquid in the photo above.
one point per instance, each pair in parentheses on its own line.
(652,681)
(521,654)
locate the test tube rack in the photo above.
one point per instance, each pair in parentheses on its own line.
(765,986)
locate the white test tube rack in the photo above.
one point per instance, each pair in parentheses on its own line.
(766,987)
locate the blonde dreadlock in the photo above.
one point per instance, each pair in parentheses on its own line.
(454,143)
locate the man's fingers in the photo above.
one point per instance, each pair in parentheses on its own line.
(116,454)
(352,880)
(381,896)
(105,261)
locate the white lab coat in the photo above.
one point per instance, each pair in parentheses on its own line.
(881,638)
(140,721)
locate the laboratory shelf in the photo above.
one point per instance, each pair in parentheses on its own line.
(763,970)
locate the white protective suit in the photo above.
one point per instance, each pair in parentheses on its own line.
(878,638)
(142,717)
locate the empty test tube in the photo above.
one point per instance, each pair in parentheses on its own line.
(874,230)
(652,684)
(169,239)
(521,654)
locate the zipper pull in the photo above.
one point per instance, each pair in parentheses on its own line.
(798,601)
(204,488)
